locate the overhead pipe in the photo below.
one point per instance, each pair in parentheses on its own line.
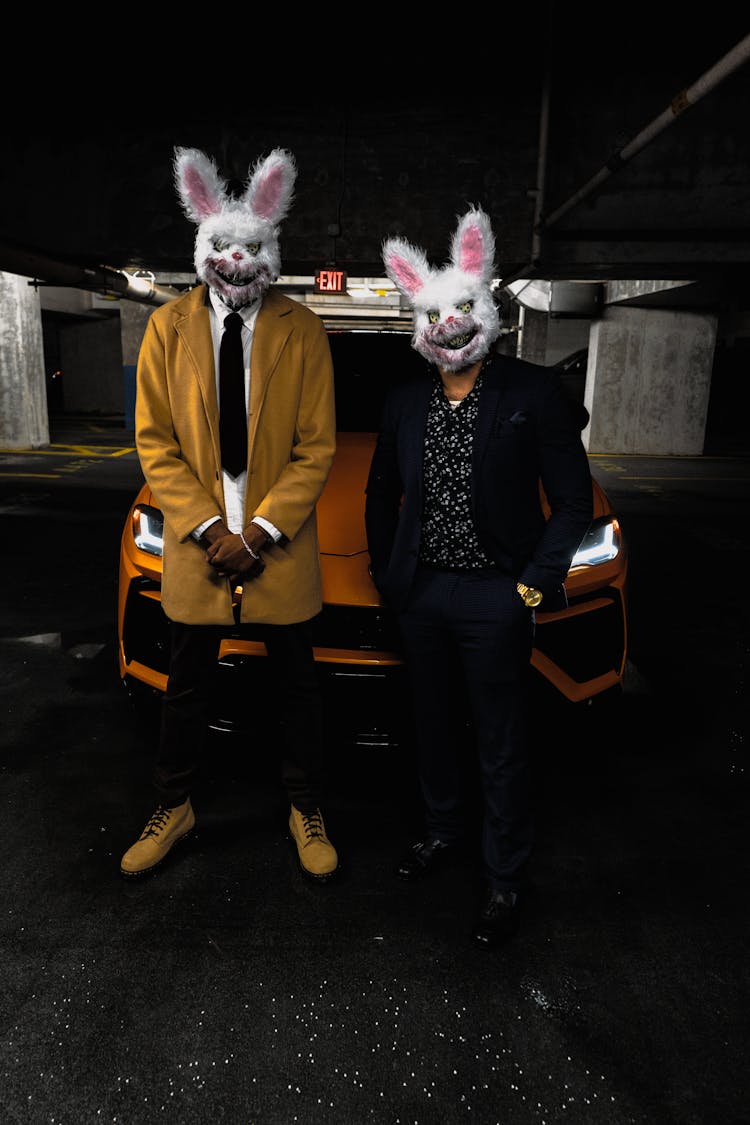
(538,193)
(541,169)
(679,104)
(105,280)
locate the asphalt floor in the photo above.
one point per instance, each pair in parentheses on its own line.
(227,989)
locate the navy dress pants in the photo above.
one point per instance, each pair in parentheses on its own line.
(467,639)
(185,709)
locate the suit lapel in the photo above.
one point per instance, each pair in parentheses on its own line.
(414,431)
(489,401)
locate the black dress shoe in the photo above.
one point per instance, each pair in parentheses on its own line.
(497,920)
(424,856)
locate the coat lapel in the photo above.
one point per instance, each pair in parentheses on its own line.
(194,330)
(269,340)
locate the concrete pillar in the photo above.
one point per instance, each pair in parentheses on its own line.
(648,381)
(533,336)
(23,388)
(133,320)
(547,339)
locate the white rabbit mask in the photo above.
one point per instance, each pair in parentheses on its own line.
(455,317)
(237,241)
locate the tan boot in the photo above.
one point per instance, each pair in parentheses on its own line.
(317,855)
(162,832)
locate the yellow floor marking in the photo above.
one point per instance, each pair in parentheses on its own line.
(47,476)
(727,480)
(664,456)
(67,450)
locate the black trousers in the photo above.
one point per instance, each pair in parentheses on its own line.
(184,719)
(467,639)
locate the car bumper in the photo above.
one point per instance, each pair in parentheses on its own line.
(579,652)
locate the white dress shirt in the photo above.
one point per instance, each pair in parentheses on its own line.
(234,487)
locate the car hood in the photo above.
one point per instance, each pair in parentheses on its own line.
(341,508)
(341,521)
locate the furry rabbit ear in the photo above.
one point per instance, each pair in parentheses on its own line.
(473,246)
(199,185)
(270,186)
(405,265)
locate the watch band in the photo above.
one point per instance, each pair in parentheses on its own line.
(530,596)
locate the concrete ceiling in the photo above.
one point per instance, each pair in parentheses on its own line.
(552,101)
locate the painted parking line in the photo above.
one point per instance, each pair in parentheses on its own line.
(40,476)
(101,451)
(692,477)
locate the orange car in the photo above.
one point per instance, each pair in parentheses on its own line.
(579,652)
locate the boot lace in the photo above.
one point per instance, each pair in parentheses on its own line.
(312,824)
(157,822)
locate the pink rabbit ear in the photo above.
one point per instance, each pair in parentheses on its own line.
(271,186)
(405,265)
(403,274)
(199,185)
(470,258)
(473,249)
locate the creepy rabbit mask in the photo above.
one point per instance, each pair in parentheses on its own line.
(237,241)
(455,317)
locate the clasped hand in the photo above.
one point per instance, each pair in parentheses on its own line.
(230,559)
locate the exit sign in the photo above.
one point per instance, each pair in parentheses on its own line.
(330,281)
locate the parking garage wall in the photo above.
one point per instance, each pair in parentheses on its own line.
(91,363)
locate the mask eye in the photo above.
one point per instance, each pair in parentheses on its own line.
(220,245)
(465,306)
(433,316)
(252,247)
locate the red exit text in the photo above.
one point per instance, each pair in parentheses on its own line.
(330,281)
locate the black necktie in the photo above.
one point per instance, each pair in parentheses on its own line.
(232,408)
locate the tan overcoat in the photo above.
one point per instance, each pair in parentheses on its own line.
(291,443)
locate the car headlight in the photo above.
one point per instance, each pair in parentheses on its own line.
(148,529)
(600,544)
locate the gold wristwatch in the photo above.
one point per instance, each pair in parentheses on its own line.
(530,596)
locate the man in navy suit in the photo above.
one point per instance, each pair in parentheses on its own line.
(463,549)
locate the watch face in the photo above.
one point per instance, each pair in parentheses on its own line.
(529,595)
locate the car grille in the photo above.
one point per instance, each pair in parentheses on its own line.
(353,629)
(145,637)
(586,645)
(361,629)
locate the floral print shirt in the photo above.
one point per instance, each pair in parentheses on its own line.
(449,539)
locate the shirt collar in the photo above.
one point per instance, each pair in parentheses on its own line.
(440,396)
(249,313)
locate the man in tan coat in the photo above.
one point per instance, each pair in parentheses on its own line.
(235,430)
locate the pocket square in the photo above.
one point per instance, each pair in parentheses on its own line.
(508,425)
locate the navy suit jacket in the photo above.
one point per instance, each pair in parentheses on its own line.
(528,433)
